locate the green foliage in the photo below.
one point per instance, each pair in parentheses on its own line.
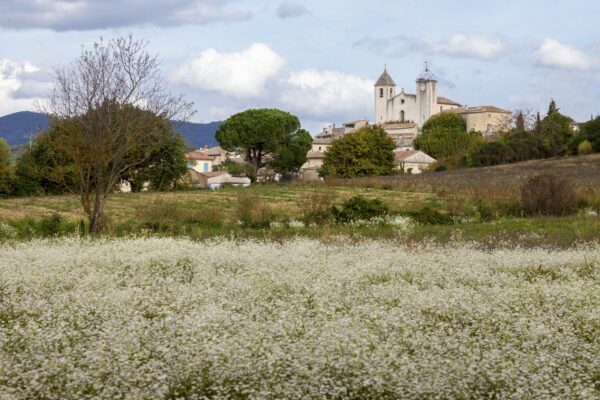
(366,152)
(428,215)
(164,161)
(251,211)
(550,137)
(6,170)
(585,147)
(262,134)
(555,133)
(520,122)
(293,156)
(359,208)
(44,168)
(235,168)
(445,136)
(493,153)
(548,195)
(552,107)
(316,206)
(589,131)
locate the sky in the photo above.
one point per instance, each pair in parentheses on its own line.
(319,59)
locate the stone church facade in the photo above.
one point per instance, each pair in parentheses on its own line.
(408,112)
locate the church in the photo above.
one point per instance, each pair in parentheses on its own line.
(405,113)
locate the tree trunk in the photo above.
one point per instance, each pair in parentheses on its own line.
(95,217)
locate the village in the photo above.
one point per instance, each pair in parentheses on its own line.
(401,115)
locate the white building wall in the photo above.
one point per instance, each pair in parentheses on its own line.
(426,100)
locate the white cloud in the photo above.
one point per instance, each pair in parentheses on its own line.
(328,93)
(459,45)
(14,81)
(255,77)
(554,54)
(291,10)
(63,15)
(241,75)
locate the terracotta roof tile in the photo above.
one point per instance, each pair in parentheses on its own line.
(198,155)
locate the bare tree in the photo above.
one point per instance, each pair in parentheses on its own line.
(104,106)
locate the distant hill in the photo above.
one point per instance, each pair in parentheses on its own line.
(198,135)
(17,128)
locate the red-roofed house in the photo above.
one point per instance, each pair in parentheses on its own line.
(199,162)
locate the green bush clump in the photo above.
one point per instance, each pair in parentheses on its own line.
(360,208)
(50,226)
(431,216)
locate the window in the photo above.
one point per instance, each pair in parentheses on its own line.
(402,101)
(441,108)
(380,92)
(319,148)
(205,167)
(391,92)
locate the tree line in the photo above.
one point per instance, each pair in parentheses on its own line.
(444,136)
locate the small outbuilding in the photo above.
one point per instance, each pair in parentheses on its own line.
(412,162)
(217,180)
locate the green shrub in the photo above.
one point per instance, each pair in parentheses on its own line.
(360,208)
(316,206)
(585,147)
(251,211)
(50,226)
(7,232)
(431,216)
(548,195)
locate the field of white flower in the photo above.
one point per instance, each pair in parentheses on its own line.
(166,318)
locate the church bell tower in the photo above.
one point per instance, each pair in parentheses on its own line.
(426,96)
(385,90)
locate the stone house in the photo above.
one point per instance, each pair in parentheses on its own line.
(199,162)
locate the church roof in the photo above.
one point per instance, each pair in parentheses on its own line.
(480,109)
(385,79)
(445,100)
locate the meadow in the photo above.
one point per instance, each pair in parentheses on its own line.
(482,204)
(301,319)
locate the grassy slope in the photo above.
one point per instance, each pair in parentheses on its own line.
(584,171)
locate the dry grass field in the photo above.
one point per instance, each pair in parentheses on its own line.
(583,171)
(283,198)
(485,201)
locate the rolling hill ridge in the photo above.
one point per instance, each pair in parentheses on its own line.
(20,127)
